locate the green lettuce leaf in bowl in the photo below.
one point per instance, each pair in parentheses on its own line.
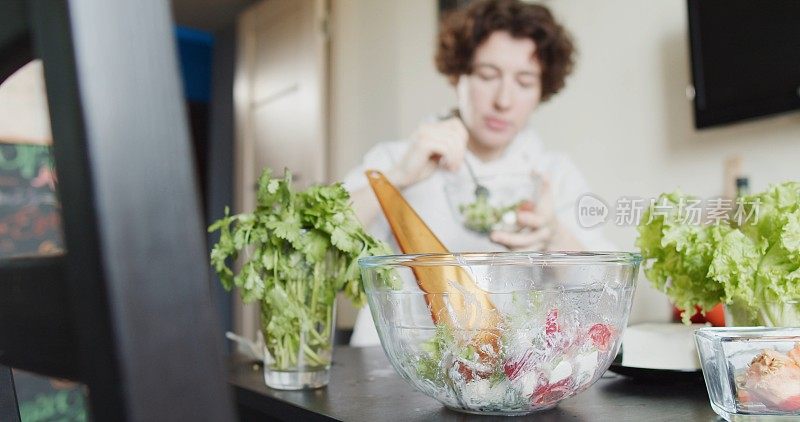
(483,217)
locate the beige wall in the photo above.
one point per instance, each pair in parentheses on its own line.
(626,121)
(624,118)
(383,82)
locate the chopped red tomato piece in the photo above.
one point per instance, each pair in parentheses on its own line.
(551,393)
(600,335)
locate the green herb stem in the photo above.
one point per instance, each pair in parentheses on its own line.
(298,250)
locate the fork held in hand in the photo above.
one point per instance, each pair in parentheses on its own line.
(480,190)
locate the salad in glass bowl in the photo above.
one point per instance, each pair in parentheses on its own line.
(751,371)
(496,210)
(533,329)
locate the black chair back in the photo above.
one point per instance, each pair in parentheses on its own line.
(126,310)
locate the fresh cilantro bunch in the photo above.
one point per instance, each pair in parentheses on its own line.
(753,266)
(299,249)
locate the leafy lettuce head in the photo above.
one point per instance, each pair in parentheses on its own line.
(677,253)
(773,233)
(752,260)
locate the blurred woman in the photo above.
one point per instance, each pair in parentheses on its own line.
(503,58)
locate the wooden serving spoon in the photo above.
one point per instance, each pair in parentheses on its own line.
(470,307)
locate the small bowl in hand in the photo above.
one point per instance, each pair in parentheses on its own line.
(498,210)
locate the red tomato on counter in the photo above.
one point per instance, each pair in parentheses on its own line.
(716,316)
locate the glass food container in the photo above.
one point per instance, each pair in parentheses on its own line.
(752,373)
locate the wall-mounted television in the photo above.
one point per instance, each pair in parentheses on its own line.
(745,57)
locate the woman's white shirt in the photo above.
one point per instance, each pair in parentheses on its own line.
(524,155)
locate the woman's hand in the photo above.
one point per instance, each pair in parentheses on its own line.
(436,144)
(539,227)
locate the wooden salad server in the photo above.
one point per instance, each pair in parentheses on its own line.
(470,307)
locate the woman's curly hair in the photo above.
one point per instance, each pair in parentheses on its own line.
(462,31)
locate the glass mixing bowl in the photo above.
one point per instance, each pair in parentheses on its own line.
(514,332)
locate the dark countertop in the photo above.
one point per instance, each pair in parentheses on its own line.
(364,387)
